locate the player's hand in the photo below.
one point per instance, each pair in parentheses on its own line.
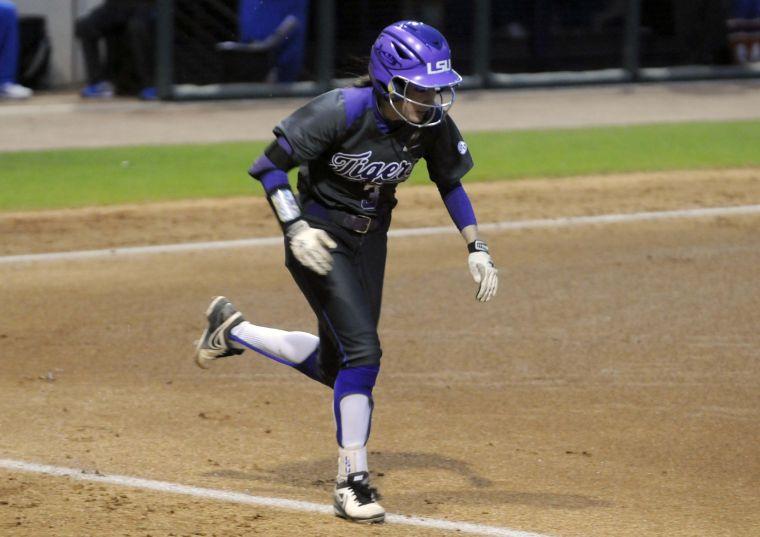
(483,271)
(311,247)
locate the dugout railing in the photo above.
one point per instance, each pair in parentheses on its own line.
(202,51)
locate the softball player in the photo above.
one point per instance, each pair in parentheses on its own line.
(354,146)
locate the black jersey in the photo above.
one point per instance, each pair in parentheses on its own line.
(350,160)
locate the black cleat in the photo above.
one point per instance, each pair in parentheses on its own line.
(214,343)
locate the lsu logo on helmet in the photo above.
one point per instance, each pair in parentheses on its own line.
(441,66)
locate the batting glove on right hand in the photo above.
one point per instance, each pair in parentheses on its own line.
(483,271)
(311,246)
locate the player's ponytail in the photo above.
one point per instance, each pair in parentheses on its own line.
(363,81)
(356,70)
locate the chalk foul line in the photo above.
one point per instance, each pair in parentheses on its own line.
(569,221)
(248,499)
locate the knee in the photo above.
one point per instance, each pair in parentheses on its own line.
(356,380)
(367,353)
(353,405)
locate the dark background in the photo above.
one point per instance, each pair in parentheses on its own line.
(527,36)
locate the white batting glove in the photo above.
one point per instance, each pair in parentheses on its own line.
(310,246)
(483,271)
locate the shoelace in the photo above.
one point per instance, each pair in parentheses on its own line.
(364,493)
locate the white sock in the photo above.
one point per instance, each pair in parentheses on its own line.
(350,461)
(355,414)
(293,347)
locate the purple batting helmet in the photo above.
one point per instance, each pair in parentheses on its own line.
(413,53)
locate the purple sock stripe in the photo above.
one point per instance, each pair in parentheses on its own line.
(460,208)
(310,368)
(353,380)
(262,352)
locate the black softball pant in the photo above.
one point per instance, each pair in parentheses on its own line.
(346,301)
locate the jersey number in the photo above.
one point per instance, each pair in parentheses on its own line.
(373,195)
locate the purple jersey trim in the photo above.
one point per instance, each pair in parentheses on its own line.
(357,101)
(460,209)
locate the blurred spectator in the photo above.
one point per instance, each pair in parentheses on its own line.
(744,31)
(130,19)
(9,51)
(259,19)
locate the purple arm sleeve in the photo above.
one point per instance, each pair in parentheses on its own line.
(285,145)
(271,176)
(460,209)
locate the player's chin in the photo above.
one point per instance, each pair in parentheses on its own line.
(417,116)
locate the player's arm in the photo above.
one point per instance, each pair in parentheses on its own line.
(309,246)
(481,265)
(448,159)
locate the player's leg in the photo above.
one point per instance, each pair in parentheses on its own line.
(141,32)
(9,45)
(354,315)
(9,52)
(347,303)
(353,401)
(347,330)
(289,348)
(353,498)
(318,357)
(346,355)
(228,333)
(90,29)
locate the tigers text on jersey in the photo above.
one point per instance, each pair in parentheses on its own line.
(350,160)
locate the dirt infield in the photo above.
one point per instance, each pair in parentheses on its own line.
(611,389)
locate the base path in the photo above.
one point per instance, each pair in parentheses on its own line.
(64,120)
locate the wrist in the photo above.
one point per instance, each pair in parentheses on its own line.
(477,245)
(294,227)
(286,208)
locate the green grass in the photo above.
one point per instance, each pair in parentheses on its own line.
(73,178)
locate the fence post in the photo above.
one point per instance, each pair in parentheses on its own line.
(165,48)
(631,43)
(325,43)
(481,41)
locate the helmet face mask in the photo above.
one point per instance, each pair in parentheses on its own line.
(410,68)
(430,104)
